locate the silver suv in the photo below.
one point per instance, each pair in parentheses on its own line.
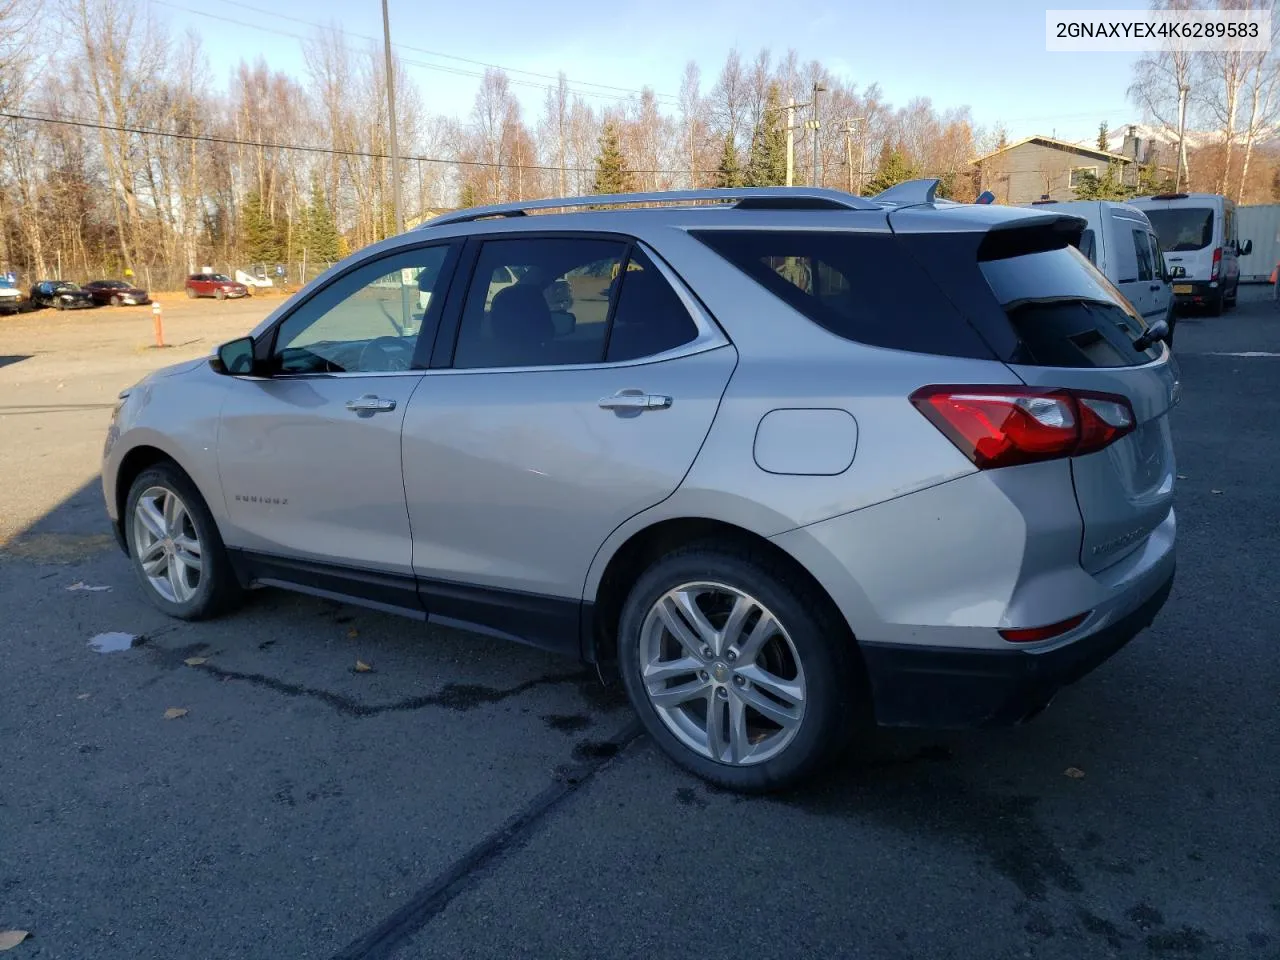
(788,460)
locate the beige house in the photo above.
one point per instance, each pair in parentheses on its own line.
(1042,168)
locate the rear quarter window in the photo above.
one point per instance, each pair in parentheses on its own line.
(866,287)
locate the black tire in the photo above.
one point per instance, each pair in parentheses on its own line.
(115,300)
(836,696)
(220,294)
(191,294)
(1218,304)
(218,590)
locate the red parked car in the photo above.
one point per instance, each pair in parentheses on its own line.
(214,285)
(115,292)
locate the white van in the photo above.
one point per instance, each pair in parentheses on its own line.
(1199,234)
(1121,242)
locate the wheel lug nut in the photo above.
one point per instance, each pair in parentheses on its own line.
(706,653)
(731,656)
(722,693)
(702,675)
(740,681)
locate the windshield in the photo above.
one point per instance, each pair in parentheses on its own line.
(63,285)
(1182,228)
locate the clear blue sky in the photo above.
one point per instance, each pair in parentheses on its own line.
(991,56)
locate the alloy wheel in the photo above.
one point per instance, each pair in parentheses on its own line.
(167,544)
(722,673)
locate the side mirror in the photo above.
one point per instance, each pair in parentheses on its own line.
(1157,331)
(1246,248)
(235,359)
(1177,271)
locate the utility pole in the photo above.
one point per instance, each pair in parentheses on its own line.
(391,116)
(1183,90)
(849,127)
(817,124)
(791,109)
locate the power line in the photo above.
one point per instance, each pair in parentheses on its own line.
(304,148)
(625,93)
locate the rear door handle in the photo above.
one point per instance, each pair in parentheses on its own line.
(370,404)
(635,401)
(1157,286)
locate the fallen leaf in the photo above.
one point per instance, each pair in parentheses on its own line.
(195,661)
(82,696)
(81,585)
(1215,491)
(362,667)
(352,633)
(1075,773)
(11,938)
(173,713)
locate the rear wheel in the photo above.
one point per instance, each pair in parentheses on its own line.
(177,552)
(115,300)
(1218,304)
(737,668)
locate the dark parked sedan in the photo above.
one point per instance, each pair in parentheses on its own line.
(61,295)
(115,293)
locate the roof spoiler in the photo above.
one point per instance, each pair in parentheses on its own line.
(1039,234)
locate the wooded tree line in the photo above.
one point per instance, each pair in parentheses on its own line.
(1232,109)
(122,148)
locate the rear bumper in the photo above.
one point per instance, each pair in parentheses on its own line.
(946,687)
(1202,291)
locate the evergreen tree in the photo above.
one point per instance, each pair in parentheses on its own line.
(319,231)
(728,174)
(1103,139)
(893,168)
(767,161)
(612,175)
(1110,186)
(259,239)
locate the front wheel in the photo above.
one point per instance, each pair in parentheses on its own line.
(191,294)
(220,294)
(177,552)
(737,668)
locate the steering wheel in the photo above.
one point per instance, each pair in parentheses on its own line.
(394,355)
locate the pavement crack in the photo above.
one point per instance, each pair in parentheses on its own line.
(383,940)
(452,696)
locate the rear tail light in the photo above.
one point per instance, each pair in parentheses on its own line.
(1217,263)
(999,426)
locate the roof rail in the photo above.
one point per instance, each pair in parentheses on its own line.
(909,192)
(770,198)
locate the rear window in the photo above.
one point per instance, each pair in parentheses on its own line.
(1182,228)
(868,288)
(1065,312)
(1089,246)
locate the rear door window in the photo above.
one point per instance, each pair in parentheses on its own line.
(866,287)
(1142,249)
(1183,228)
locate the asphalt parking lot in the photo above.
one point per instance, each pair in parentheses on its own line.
(466,798)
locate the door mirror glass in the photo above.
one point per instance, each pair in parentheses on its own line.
(1246,248)
(236,358)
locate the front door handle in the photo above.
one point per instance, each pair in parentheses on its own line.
(370,404)
(635,401)
(1157,286)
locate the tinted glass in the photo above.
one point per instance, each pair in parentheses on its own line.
(650,317)
(538,301)
(1182,228)
(365,322)
(866,287)
(1142,250)
(1088,246)
(1065,312)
